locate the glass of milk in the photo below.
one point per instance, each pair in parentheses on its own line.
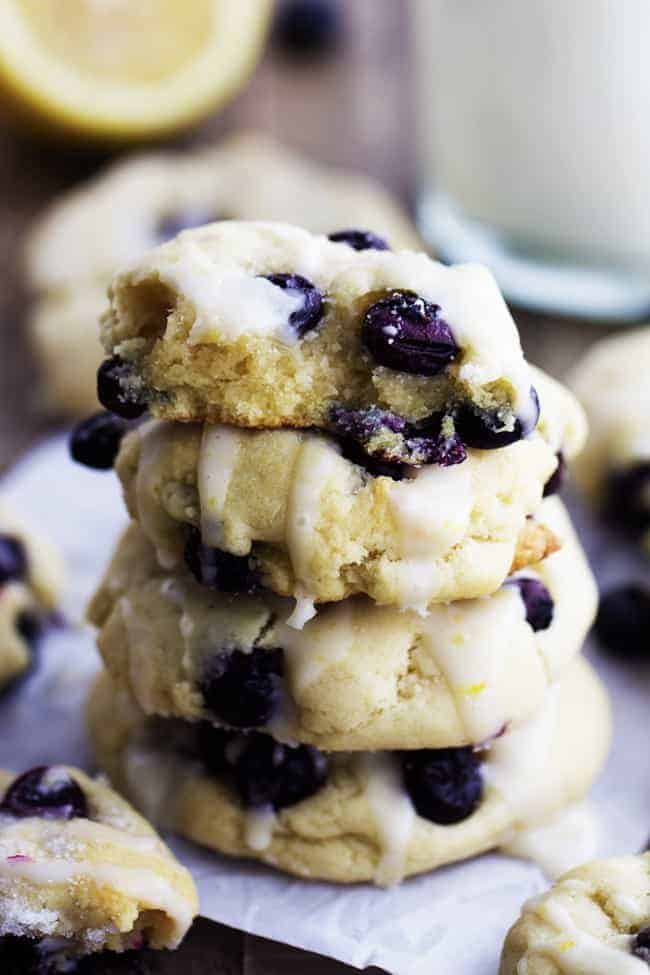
(534,120)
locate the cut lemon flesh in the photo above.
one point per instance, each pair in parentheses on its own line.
(127,68)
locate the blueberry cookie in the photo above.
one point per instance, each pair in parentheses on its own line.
(31,579)
(612,382)
(353,817)
(144,201)
(357,676)
(311,517)
(80,872)
(267,325)
(596,919)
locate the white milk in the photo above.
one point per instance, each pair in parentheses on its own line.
(535,121)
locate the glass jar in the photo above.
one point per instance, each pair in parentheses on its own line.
(534,120)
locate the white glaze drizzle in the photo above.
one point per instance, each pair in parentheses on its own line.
(217,459)
(258,828)
(432,512)
(156,523)
(317,463)
(392,810)
(303,611)
(566,841)
(311,650)
(228,302)
(141,884)
(577,953)
(466,642)
(516,762)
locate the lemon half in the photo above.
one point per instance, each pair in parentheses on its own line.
(126,69)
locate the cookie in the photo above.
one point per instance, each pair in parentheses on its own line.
(266,325)
(80,872)
(352,817)
(31,579)
(143,201)
(614,470)
(357,676)
(319,523)
(595,919)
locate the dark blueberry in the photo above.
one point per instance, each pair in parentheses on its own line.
(30,627)
(445,784)
(45,792)
(262,771)
(268,773)
(20,956)
(13,559)
(405,332)
(557,479)
(244,689)
(487,429)
(429,443)
(112,393)
(217,569)
(623,622)
(641,945)
(360,240)
(365,437)
(372,463)
(307,28)
(537,600)
(212,743)
(95,442)
(307,317)
(172,225)
(627,499)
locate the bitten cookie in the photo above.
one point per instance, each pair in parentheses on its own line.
(596,919)
(612,382)
(81,871)
(317,520)
(353,817)
(144,201)
(267,325)
(357,676)
(31,579)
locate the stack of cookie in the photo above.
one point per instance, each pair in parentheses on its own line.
(341,633)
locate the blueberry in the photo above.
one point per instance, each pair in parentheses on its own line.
(537,600)
(244,689)
(557,479)
(217,569)
(373,464)
(406,333)
(305,28)
(268,773)
(641,945)
(385,444)
(47,792)
(307,317)
(445,784)
(20,956)
(360,240)
(95,442)
(212,744)
(262,771)
(623,622)
(30,627)
(486,430)
(111,390)
(13,559)
(627,499)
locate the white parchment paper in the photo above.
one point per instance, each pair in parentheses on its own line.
(449,923)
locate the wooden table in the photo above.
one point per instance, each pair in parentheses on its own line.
(355,108)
